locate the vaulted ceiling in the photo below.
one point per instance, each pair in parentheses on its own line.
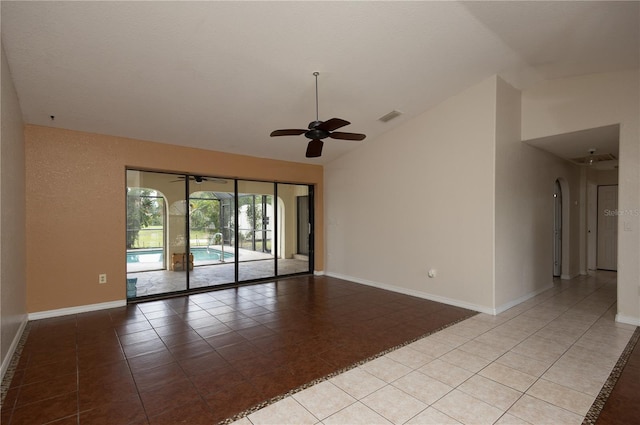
(223,75)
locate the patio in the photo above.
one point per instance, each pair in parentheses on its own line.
(252,265)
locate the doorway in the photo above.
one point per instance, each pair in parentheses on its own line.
(557,230)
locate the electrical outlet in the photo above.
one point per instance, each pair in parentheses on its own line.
(102,278)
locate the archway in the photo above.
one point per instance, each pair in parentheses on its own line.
(562,226)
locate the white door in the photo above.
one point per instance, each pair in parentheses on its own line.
(592,225)
(608,227)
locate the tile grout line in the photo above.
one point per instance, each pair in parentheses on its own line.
(596,408)
(565,310)
(525,392)
(273,400)
(8,377)
(505,411)
(578,308)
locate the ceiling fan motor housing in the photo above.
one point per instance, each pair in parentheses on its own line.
(316,133)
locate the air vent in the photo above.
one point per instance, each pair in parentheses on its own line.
(594,158)
(391,115)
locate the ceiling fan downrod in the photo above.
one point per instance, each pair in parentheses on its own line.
(316,73)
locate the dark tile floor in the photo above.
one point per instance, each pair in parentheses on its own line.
(203,358)
(623,405)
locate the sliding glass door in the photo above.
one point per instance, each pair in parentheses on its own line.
(210,247)
(157,234)
(189,233)
(256,222)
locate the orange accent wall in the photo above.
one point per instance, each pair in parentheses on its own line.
(75,184)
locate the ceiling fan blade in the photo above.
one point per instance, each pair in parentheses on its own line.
(288,132)
(347,136)
(333,124)
(314,148)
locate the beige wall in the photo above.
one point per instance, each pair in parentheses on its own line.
(76,207)
(12,225)
(572,104)
(420,196)
(603,177)
(525,178)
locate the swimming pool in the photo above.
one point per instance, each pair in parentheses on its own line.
(157,255)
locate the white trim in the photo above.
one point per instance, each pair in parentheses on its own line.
(510,304)
(414,293)
(318,272)
(629,320)
(75,310)
(12,349)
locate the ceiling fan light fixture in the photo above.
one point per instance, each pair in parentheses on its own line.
(592,158)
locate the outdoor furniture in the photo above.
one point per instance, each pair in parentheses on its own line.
(178,261)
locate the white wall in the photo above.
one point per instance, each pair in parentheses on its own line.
(525,178)
(572,104)
(420,196)
(12,225)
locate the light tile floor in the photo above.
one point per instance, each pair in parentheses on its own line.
(541,362)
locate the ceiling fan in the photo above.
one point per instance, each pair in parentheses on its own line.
(200,179)
(318,130)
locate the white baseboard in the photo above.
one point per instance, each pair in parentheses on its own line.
(507,306)
(414,293)
(444,300)
(629,320)
(318,272)
(75,310)
(12,349)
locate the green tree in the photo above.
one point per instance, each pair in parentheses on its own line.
(204,212)
(141,210)
(253,208)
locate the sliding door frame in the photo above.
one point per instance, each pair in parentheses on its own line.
(275,239)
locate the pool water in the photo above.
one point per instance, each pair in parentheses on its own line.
(157,255)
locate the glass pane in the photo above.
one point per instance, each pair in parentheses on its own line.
(156,228)
(210,204)
(294,228)
(256,220)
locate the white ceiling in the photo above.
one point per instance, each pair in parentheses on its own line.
(579,144)
(223,75)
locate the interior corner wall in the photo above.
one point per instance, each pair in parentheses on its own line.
(76,207)
(525,178)
(13,315)
(420,197)
(572,104)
